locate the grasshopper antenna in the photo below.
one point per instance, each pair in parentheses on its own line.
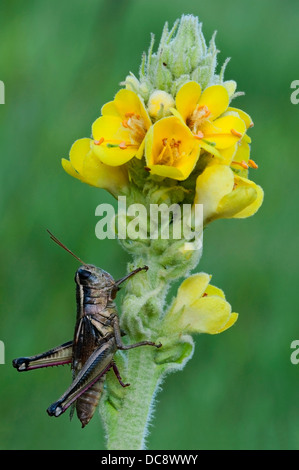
(120,281)
(64,247)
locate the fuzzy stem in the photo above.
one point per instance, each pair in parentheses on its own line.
(126,412)
(129,429)
(127,421)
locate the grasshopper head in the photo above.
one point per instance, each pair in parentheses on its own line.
(92,276)
(88,274)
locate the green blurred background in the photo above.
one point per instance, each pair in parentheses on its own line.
(60,61)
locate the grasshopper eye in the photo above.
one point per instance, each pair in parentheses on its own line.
(83,273)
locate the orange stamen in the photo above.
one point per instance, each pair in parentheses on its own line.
(99,142)
(206,110)
(125,124)
(200,135)
(128,115)
(243,164)
(123,145)
(236,133)
(252,164)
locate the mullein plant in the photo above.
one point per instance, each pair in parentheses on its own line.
(169,136)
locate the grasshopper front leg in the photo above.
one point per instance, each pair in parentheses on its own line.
(124,347)
(55,357)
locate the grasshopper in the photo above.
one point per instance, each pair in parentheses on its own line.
(96,339)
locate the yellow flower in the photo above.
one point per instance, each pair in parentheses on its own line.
(225,194)
(202,111)
(119,133)
(85,166)
(170,149)
(199,308)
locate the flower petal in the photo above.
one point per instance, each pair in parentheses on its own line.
(224,131)
(109,128)
(256,204)
(187,164)
(190,290)
(210,148)
(216,99)
(181,159)
(114,156)
(140,151)
(242,152)
(104,176)
(211,186)
(236,201)
(187,98)
(126,101)
(110,151)
(232,320)
(167,172)
(78,151)
(92,170)
(109,109)
(244,116)
(206,315)
(68,167)
(213,290)
(228,154)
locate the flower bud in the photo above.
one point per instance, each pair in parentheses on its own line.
(199,308)
(159,104)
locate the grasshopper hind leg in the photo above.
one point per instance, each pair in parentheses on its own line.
(86,380)
(55,357)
